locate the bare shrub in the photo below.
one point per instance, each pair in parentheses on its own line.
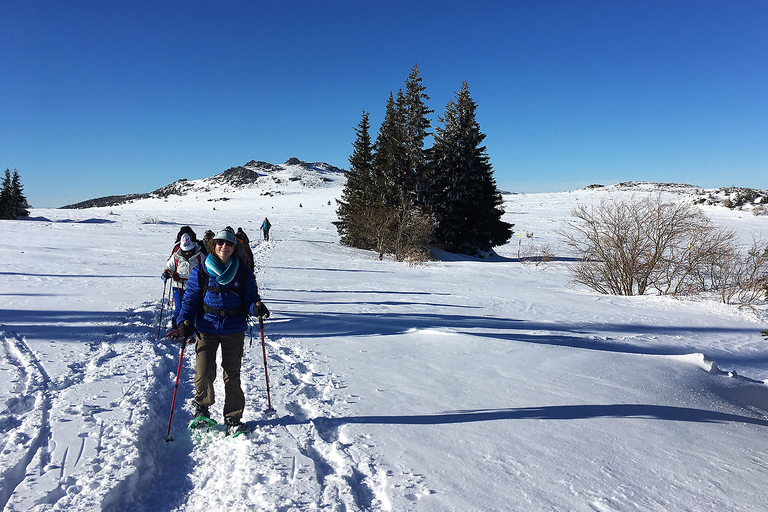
(411,235)
(620,243)
(627,247)
(537,254)
(370,228)
(403,232)
(686,266)
(741,277)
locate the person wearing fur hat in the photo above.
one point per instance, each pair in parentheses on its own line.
(220,295)
(178,269)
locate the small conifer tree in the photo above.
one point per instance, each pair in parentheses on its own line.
(358,191)
(6,202)
(19,204)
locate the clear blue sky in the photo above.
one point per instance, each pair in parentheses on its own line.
(100,97)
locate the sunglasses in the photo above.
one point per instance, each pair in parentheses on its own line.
(225,242)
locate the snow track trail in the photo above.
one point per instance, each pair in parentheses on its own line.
(24,423)
(289,462)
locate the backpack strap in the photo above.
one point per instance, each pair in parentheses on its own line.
(204,280)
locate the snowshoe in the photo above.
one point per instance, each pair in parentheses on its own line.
(202,420)
(201,424)
(236,427)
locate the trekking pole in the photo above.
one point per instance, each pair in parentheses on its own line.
(175,389)
(162,303)
(270,410)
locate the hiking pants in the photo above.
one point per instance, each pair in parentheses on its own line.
(232,346)
(178,296)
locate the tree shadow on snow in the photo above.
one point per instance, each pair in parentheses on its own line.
(557,412)
(65,326)
(577,335)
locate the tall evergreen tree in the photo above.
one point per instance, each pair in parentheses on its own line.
(465,203)
(358,190)
(417,126)
(390,170)
(6,199)
(19,204)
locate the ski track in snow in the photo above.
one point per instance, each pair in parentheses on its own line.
(24,424)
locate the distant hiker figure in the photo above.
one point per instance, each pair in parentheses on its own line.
(220,295)
(265,228)
(178,268)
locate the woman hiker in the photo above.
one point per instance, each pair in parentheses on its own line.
(220,295)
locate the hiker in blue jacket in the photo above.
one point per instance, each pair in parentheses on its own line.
(220,295)
(265,228)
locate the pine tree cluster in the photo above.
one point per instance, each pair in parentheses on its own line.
(401,198)
(13,204)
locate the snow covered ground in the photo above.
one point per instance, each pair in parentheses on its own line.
(463,384)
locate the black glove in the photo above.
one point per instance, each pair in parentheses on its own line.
(166,275)
(261,310)
(185,329)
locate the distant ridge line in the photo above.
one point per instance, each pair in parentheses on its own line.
(240,176)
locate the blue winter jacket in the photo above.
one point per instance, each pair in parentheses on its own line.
(192,306)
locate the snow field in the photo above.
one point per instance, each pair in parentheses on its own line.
(457,385)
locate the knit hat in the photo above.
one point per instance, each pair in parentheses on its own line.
(186,243)
(227,234)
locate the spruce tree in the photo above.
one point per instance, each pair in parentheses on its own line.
(464,201)
(417,126)
(6,200)
(19,204)
(390,169)
(358,192)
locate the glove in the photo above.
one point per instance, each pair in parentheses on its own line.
(176,276)
(185,328)
(261,310)
(166,275)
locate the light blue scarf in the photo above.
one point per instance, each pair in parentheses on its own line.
(223,274)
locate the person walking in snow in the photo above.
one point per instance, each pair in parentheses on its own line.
(242,238)
(265,228)
(178,269)
(220,295)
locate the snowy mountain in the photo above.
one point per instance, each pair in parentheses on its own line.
(459,384)
(253,175)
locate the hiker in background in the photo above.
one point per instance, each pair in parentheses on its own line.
(243,239)
(185,230)
(265,228)
(221,293)
(204,242)
(178,268)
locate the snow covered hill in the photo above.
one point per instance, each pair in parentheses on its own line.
(461,384)
(268,178)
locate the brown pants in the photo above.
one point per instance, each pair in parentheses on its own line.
(232,346)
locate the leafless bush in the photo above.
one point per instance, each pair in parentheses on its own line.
(627,247)
(537,254)
(686,266)
(740,277)
(402,232)
(620,243)
(411,234)
(370,228)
